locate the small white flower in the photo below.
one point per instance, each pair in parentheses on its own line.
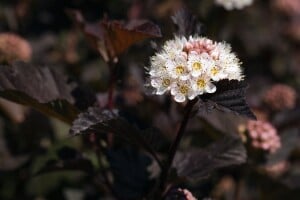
(158,65)
(182,90)
(173,48)
(162,84)
(177,68)
(203,85)
(198,64)
(233,4)
(216,73)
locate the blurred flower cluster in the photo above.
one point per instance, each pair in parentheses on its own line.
(263,136)
(13,47)
(280,97)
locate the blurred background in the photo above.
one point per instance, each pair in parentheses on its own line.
(266,37)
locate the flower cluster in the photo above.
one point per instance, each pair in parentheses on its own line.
(233,4)
(189,67)
(290,7)
(280,97)
(13,47)
(264,136)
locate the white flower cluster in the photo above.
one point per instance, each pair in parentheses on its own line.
(233,4)
(189,67)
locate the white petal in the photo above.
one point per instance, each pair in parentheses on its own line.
(179,98)
(184,77)
(192,94)
(161,90)
(196,73)
(174,90)
(210,88)
(155,82)
(222,75)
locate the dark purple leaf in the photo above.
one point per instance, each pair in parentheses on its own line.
(97,120)
(129,167)
(199,163)
(111,37)
(229,97)
(289,141)
(42,88)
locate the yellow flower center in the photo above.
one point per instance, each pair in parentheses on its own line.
(179,70)
(166,82)
(183,89)
(196,66)
(201,83)
(214,71)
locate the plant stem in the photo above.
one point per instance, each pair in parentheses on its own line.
(112,83)
(175,144)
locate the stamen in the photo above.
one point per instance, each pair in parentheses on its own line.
(179,70)
(214,71)
(197,66)
(166,82)
(183,89)
(201,83)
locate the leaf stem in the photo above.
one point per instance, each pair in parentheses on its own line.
(175,144)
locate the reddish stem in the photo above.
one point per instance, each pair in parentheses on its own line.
(175,144)
(112,83)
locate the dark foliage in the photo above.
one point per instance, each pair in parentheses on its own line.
(230,97)
(39,87)
(68,159)
(289,141)
(119,152)
(112,38)
(197,164)
(97,120)
(131,178)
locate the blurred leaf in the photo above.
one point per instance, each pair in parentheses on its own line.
(227,123)
(47,183)
(229,97)
(97,120)
(69,159)
(39,87)
(131,178)
(292,177)
(73,194)
(8,161)
(187,23)
(198,163)
(111,37)
(289,141)
(287,118)
(79,164)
